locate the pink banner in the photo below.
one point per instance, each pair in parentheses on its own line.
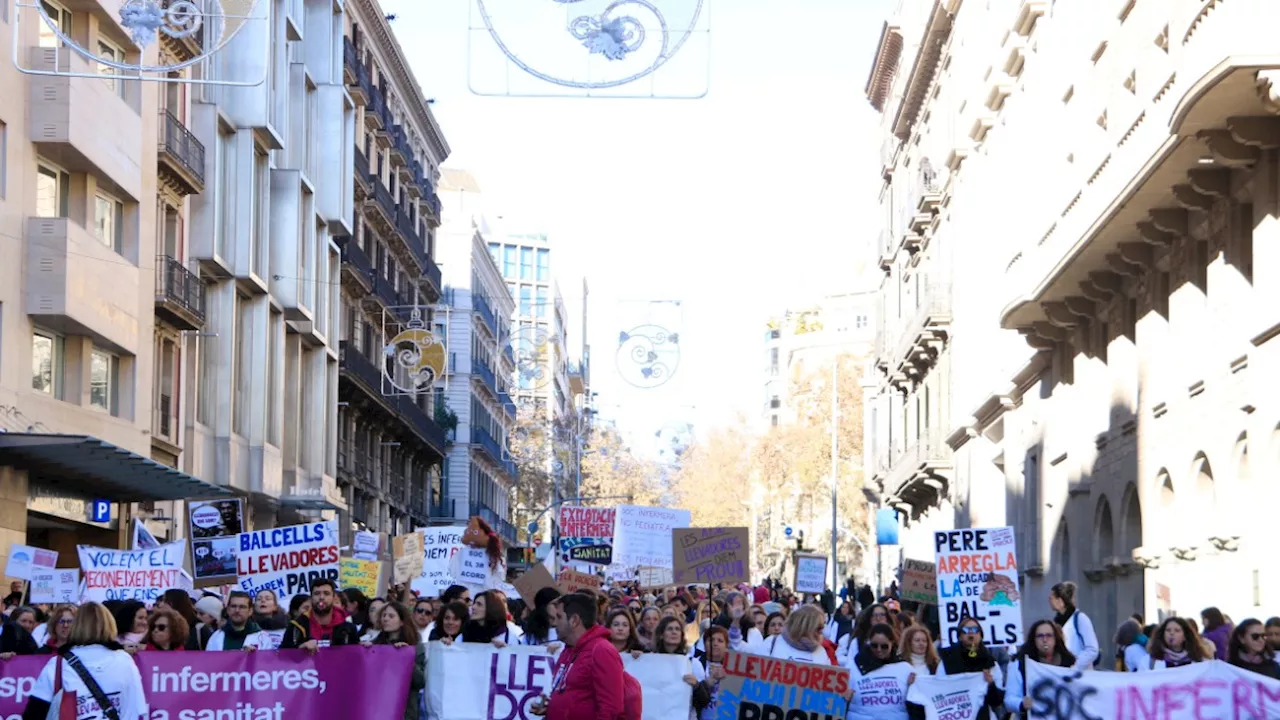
(345,682)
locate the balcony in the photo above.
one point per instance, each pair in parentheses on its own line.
(375,113)
(67,116)
(482,439)
(68,290)
(355,264)
(386,292)
(414,184)
(434,277)
(916,476)
(382,204)
(483,372)
(400,153)
(179,295)
(181,156)
(412,238)
(358,367)
(396,488)
(431,200)
(355,74)
(481,306)
(501,526)
(184,48)
(361,164)
(422,424)
(925,332)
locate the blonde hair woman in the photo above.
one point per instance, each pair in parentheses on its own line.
(801,640)
(918,650)
(91,651)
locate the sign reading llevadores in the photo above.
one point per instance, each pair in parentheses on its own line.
(978,578)
(131,574)
(287,560)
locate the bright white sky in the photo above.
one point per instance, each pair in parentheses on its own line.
(760,195)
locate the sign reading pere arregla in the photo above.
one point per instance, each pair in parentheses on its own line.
(710,555)
(978,578)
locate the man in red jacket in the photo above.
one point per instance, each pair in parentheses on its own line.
(588,680)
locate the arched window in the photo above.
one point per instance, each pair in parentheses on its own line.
(1204,489)
(1131,529)
(1104,545)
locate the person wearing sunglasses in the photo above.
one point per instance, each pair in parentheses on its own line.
(422,617)
(1046,645)
(1248,649)
(971,655)
(166,630)
(877,698)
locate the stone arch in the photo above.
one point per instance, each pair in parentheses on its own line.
(1130,521)
(1062,550)
(1104,534)
(1204,490)
(1165,507)
(1241,472)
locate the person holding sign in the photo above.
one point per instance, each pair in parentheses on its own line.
(398,631)
(879,678)
(1046,645)
(326,625)
(972,656)
(801,640)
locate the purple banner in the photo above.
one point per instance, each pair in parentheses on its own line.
(345,682)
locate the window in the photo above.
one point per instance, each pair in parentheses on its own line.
(541,309)
(4,149)
(274,340)
(261,212)
(108,51)
(227,194)
(544,265)
(60,16)
(108,221)
(525,297)
(104,381)
(46,363)
(52,188)
(511,290)
(494,250)
(526,263)
(508,261)
(860,322)
(243,318)
(207,360)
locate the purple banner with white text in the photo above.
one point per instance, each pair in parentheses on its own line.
(346,682)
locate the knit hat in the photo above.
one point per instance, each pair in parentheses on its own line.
(761,595)
(210,606)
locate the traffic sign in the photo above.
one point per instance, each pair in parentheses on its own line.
(787,531)
(100,511)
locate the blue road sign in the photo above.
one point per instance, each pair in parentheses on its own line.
(100,511)
(787,531)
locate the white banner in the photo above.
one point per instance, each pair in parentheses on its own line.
(287,559)
(881,693)
(951,697)
(642,535)
(439,545)
(473,681)
(55,586)
(1210,690)
(131,574)
(978,578)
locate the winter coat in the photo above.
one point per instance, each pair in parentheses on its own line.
(588,680)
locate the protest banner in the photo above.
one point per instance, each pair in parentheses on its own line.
(52,585)
(409,557)
(710,555)
(439,545)
(881,693)
(25,560)
(131,574)
(811,573)
(287,559)
(467,681)
(978,578)
(762,687)
(214,527)
(470,567)
(346,682)
(586,534)
(951,697)
(642,535)
(573,581)
(650,577)
(363,575)
(366,545)
(533,580)
(919,582)
(1212,689)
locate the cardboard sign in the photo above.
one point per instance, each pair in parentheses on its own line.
(919,582)
(55,586)
(711,555)
(533,580)
(762,687)
(573,581)
(287,559)
(811,573)
(654,577)
(440,544)
(409,556)
(25,560)
(363,575)
(978,578)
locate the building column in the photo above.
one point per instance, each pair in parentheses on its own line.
(13,509)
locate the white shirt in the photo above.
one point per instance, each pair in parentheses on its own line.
(115,672)
(881,694)
(1081,639)
(1136,658)
(552,637)
(40,634)
(778,647)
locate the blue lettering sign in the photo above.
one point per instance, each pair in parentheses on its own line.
(100,511)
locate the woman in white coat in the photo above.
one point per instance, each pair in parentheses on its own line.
(1077,628)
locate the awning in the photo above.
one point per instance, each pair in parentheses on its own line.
(92,465)
(306,502)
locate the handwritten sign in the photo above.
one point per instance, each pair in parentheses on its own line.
(586,534)
(573,581)
(409,557)
(366,545)
(654,577)
(763,687)
(363,575)
(439,545)
(811,573)
(470,566)
(978,578)
(25,560)
(287,559)
(131,574)
(533,580)
(710,555)
(642,535)
(919,581)
(55,586)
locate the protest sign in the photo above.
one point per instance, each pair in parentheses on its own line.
(533,580)
(287,559)
(344,682)
(214,527)
(467,681)
(710,555)
(366,545)
(573,581)
(363,575)
(470,567)
(978,578)
(811,573)
(654,577)
(1212,689)
(881,693)
(951,697)
(409,557)
(142,537)
(919,582)
(586,534)
(642,535)
(51,585)
(763,687)
(25,560)
(439,545)
(131,574)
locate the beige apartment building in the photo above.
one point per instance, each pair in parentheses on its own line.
(1081,276)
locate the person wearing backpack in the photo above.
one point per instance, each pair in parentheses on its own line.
(91,677)
(1046,645)
(1077,628)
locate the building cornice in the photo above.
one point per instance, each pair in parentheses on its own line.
(936,34)
(883,67)
(998,403)
(375,23)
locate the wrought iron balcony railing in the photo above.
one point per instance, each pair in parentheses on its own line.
(180,293)
(180,146)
